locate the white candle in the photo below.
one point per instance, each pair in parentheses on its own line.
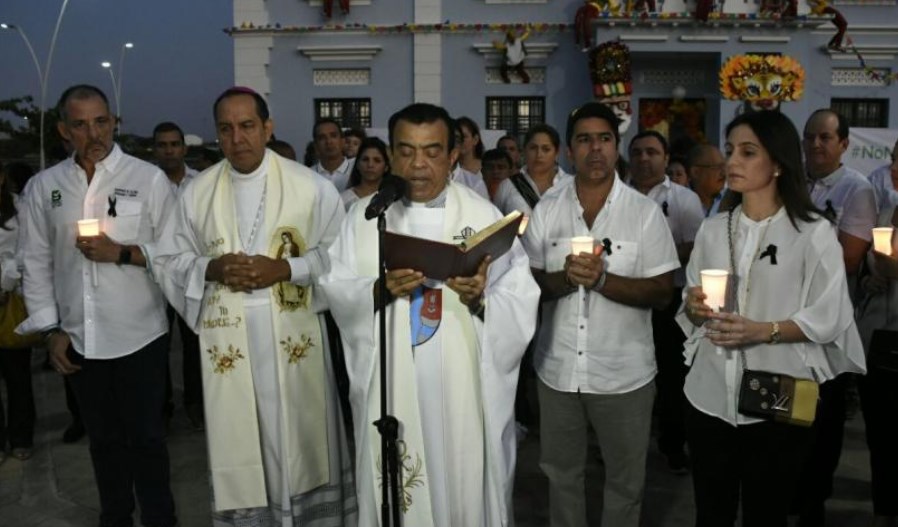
(523,225)
(582,244)
(882,240)
(714,285)
(89,227)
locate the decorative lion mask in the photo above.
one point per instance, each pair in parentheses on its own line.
(762,80)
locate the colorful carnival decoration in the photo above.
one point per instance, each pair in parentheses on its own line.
(762,80)
(821,8)
(589,11)
(328,6)
(609,68)
(515,52)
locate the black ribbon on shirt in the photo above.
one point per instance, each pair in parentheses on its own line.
(112,213)
(606,243)
(771,252)
(830,211)
(664,208)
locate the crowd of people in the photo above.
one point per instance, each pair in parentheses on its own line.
(270,271)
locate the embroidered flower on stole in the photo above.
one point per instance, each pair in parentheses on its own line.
(224,361)
(296,351)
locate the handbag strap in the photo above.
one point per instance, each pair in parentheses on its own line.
(731,285)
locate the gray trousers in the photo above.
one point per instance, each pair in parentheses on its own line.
(622,423)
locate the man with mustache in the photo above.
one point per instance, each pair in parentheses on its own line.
(102,314)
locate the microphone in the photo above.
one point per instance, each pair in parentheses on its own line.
(391,189)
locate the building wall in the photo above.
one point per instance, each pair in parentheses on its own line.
(454,69)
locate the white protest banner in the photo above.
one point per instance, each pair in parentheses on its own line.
(869,148)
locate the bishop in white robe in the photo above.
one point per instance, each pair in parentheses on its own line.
(278,450)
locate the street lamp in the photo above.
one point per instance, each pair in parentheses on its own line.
(43,78)
(108,67)
(117,81)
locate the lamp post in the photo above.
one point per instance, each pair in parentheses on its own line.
(43,78)
(108,67)
(117,80)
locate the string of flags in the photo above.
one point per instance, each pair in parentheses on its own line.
(539,27)
(871,72)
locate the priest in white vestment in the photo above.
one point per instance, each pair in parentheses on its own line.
(239,259)
(455,346)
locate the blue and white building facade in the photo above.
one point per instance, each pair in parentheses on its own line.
(363,65)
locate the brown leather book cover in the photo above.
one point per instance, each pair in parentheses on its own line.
(440,260)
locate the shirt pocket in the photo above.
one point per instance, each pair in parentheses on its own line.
(621,260)
(125,225)
(557,250)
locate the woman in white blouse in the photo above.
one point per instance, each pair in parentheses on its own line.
(540,173)
(18,416)
(788,313)
(371,164)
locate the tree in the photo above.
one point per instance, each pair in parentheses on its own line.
(24,140)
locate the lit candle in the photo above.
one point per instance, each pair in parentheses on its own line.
(523,225)
(714,285)
(882,240)
(89,227)
(582,244)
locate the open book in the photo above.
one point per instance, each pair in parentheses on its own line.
(440,260)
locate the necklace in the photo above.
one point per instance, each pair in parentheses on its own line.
(248,243)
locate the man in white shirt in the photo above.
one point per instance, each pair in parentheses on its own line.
(170,150)
(455,346)
(329,144)
(594,355)
(239,260)
(681,207)
(103,315)
(847,198)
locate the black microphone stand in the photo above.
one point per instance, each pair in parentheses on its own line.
(387,425)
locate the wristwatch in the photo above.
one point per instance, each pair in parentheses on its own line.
(600,283)
(124,256)
(775,335)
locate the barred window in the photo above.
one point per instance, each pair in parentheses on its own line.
(515,115)
(863,113)
(350,113)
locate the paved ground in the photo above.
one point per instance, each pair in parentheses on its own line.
(56,489)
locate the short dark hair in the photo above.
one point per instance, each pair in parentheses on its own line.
(592,110)
(355,132)
(421,113)
(473,129)
(698,151)
(497,154)
(355,177)
(543,129)
(261,105)
(841,130)
(282,148)
(507,137)
(80,92)
(650,133)
(780,139)
(325,120)
(168,126)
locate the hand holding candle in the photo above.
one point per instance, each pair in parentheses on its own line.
(882,240)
